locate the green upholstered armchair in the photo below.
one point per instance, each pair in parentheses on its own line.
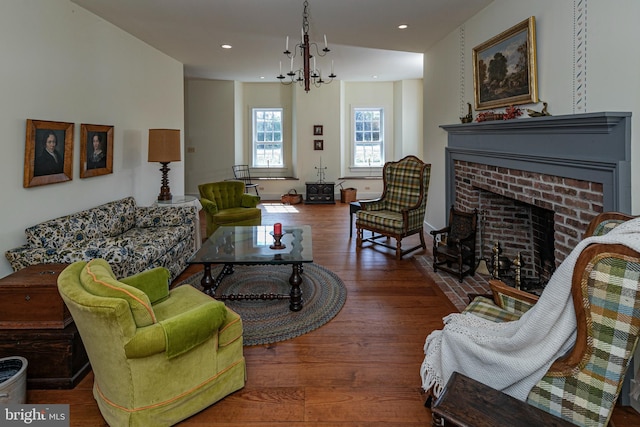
(399,212)
(158,356)
(226,203)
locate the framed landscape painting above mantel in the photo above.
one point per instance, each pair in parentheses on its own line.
(505,69)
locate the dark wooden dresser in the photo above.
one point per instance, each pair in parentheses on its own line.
(320,193)
(35,324)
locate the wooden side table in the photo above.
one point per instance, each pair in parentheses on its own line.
(353,208)
(35,324)
(466,402)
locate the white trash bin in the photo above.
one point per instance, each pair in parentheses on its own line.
(13,380)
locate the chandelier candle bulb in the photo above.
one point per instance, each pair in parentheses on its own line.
(286,45)
(325,41)
(280,67)
(277,228)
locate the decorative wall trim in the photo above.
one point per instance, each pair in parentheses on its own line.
(580,56)
(463,104)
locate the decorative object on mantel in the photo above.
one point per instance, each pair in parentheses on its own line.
(504,68)
(489,116)
(164,147)
(306,75)
(543,112)
(469,117)
(511,112)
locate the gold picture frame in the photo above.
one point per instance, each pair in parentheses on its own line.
(46,160)
(96,150)
(505,68)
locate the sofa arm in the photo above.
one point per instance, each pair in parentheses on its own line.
(249,200)
(25,255)
(179,333)
(209,206)
(154,283)
(170,216)
(372,204)
(511,299)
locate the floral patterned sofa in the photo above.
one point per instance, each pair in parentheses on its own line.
(130,237)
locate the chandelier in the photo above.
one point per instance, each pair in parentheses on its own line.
(305,75)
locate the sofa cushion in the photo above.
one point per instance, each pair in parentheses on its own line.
(75,229)
(97,278)
(116,217)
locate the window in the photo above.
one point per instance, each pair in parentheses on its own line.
(267,137)
(368,137)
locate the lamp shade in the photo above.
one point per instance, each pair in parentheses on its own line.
(164,145)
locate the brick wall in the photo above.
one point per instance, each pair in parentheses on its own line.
(506,197)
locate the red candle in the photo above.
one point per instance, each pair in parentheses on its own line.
(277,228)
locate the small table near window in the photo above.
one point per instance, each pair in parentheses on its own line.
(186,201)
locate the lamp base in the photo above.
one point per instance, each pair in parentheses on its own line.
(165,191)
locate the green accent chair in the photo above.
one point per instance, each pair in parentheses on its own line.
(583,386)
(226,203)
(158,356)
(399,212)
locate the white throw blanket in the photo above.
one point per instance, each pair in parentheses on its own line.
(514,356)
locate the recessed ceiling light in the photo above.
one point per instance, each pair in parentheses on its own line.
(374,76)
(403,26)
(261,77)
(226,46)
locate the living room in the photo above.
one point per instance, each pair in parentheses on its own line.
(109,77)
(62,63)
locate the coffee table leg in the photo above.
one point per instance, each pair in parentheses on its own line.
(209,285)
(296,293)
(207,280)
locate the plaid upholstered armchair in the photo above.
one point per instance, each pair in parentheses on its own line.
(399,212)
(582,386)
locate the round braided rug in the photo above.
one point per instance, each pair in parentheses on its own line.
(270,321)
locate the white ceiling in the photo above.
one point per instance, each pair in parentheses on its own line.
(363,35)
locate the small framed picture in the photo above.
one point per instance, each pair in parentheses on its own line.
(317,129)
(96,150)
(318,144)
(48,153)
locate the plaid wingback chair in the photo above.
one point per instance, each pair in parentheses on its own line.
(399,212)
(582,387)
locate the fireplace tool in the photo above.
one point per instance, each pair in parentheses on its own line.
(482,262)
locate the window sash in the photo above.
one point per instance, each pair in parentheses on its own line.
(268,146)
(368,137)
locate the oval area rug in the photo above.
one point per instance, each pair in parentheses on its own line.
(270,321)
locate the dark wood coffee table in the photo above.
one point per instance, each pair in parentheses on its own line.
(253,245)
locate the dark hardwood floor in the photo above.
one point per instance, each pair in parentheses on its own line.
(360,369)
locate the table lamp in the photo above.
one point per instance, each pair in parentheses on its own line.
(164,147)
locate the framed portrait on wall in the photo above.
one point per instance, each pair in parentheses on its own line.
(48,153)
(318,144)
(317,129)
(96,150)
(505,69)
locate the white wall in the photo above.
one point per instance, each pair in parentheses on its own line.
(216,115)
(611,67)
(62,63)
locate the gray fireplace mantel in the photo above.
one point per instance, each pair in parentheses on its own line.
(592,147)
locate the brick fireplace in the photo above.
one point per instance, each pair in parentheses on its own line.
(537,182)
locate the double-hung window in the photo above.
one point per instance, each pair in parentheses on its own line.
(368,137)
(268,150)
